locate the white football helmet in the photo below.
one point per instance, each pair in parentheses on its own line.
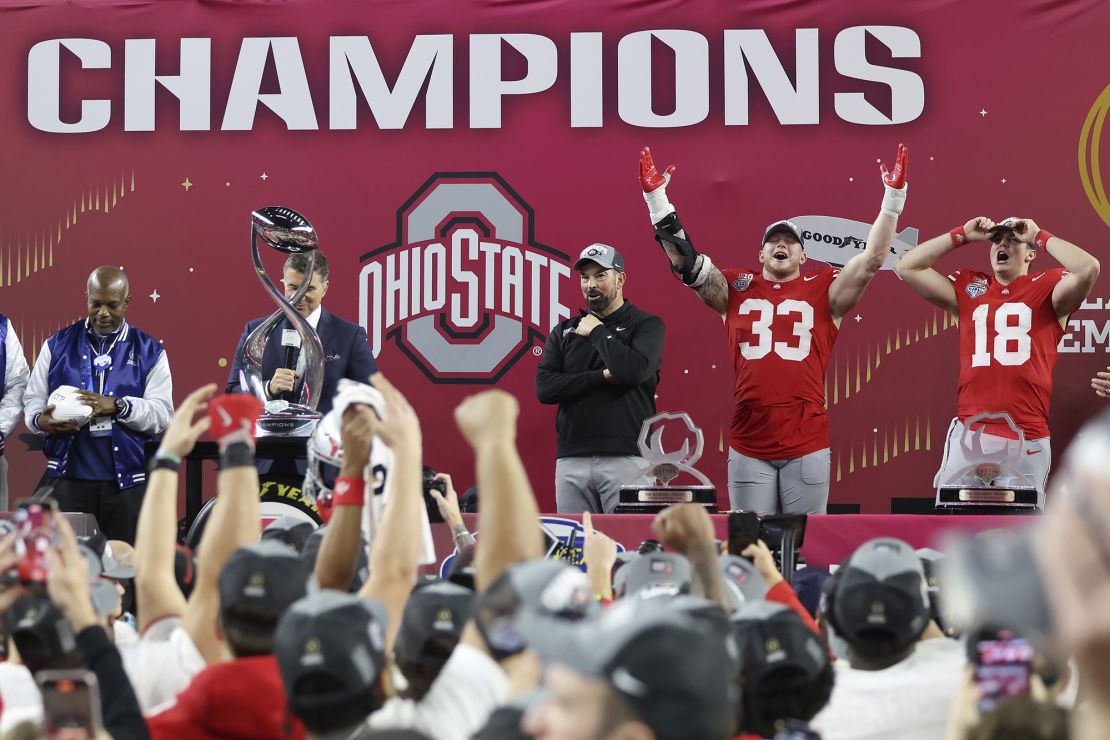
(325,446)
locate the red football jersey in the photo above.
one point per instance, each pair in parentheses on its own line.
(780,336)
(1008,339)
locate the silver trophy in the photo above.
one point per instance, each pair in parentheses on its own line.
(664,467)
(999,477)
(289,232)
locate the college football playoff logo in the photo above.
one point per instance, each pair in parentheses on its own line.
(465,290)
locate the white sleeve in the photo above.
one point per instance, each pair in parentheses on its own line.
(16,374)
(38,389)
(459,702)
(151,413)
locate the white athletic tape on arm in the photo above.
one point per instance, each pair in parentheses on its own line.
(658,205)
(894,200)
(703,266)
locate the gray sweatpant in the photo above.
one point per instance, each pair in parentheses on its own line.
(799,485)
(593,484)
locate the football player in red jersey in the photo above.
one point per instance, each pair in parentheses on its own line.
(781,326)
(1011,322)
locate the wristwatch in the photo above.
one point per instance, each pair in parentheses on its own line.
(120,408)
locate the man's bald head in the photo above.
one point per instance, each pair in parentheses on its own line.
(109,294)
(107,276)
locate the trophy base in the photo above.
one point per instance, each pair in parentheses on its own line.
(987,499)
(653,499)
(288,420)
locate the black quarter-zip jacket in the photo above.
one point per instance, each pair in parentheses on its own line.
(596,416)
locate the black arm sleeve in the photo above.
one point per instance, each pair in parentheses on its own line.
(119,707)
(555,386)
(635,362)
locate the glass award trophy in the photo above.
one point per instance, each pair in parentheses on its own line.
(664,468)
(994,475)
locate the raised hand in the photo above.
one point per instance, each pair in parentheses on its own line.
(894,183)
(978,228)
(1026,229)
(650,178)
(183,432)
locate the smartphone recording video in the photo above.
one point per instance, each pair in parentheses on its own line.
(71,704)
(1003,666)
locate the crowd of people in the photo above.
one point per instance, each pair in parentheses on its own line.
(302,632)
(332,631)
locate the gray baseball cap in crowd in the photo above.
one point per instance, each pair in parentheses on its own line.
(257,584)
(105,597)
(602,254)
(655,574)
(671,667)
(291,531)
(548,588)
(439,609)
(777,649)
(743,583)
(784,225)
(330,649)
(110,566)
(880,592)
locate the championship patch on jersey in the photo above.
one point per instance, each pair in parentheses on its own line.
(741,283)
(976,288)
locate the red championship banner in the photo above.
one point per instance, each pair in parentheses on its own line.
(455,156)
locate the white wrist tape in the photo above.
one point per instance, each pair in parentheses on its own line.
(894,200)
(658,205)
(703,266)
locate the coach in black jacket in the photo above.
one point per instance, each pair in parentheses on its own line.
(602,369)
(346,351)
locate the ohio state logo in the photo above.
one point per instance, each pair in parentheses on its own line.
(465,289)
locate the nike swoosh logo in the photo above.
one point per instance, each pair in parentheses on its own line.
(621,328)
(1031,452)
(1038,277)
(811,277)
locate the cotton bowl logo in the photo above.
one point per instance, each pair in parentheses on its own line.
(465,289)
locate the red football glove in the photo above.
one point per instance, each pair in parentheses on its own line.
(233,417)
(897,178)
(650,178)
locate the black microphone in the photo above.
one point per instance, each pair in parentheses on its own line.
(291,341)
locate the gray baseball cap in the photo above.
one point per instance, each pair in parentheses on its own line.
(602,254)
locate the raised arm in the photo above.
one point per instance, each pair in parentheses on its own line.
(846,291)
(234,521)
(696,270)
(508,517)
(395,551)
(156,589)
(338,557)
(916,266)
(1082,267)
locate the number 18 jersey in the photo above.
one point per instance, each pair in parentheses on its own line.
(1008,339)
(780,335)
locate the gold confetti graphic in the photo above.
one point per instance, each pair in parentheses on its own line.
(28,252)
(900,436)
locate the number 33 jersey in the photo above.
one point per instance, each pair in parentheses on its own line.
(1008,339)
(781,335)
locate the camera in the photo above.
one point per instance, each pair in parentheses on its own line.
(431,483)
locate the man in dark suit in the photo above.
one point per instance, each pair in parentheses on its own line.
(346,351)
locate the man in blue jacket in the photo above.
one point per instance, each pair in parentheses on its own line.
(346,351)
(99,466)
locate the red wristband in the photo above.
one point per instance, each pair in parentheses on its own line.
(959,236)
(1041,239)
(349,491)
